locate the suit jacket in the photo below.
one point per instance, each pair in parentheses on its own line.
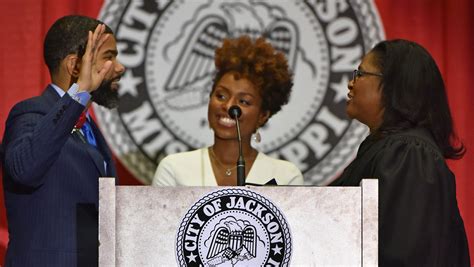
(51,184)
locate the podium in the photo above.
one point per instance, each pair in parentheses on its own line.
(238,226)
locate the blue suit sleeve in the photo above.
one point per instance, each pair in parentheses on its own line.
(34,136)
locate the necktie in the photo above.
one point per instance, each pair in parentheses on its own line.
(87,131)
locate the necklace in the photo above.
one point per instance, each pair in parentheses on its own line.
(228,171)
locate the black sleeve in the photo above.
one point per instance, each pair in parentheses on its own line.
(419,221)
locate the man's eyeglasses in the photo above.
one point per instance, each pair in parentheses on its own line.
(359,73)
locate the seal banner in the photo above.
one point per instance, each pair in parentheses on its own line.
(168,47)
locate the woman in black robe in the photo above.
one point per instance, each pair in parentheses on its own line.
(398,92)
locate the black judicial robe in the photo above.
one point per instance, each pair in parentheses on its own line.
(419,219)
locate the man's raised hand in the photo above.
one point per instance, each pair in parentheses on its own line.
(90,75)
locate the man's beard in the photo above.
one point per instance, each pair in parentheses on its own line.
(105,96)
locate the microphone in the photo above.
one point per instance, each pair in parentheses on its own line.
(235,112)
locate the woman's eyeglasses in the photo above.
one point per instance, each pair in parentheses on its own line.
(359,73)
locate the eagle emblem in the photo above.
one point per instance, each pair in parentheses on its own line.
(190,81)
(232,243)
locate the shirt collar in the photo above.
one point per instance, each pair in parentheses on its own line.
(58,90)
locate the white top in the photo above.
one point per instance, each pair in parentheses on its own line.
(194,168)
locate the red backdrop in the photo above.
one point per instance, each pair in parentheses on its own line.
(444,27)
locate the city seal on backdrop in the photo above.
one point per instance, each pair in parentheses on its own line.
(168,50)
(233,227)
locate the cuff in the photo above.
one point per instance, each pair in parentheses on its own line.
(81,97)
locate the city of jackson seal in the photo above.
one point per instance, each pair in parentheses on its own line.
(233,227)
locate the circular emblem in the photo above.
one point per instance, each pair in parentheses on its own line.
(168,50)
(233,227)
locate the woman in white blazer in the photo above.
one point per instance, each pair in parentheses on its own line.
(255,77)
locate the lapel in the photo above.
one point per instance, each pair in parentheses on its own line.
(93,152)
(97,158)
(101,144)
(258,174)
(104,149)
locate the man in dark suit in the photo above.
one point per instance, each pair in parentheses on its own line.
(53,155)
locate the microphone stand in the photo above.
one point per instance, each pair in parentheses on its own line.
(235,112)
(240,161)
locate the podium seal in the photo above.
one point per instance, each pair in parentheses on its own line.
(233,227)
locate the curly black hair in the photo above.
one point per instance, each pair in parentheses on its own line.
(260,63)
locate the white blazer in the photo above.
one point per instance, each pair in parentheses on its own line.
(193,168)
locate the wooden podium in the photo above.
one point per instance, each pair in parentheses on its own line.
(294,225)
